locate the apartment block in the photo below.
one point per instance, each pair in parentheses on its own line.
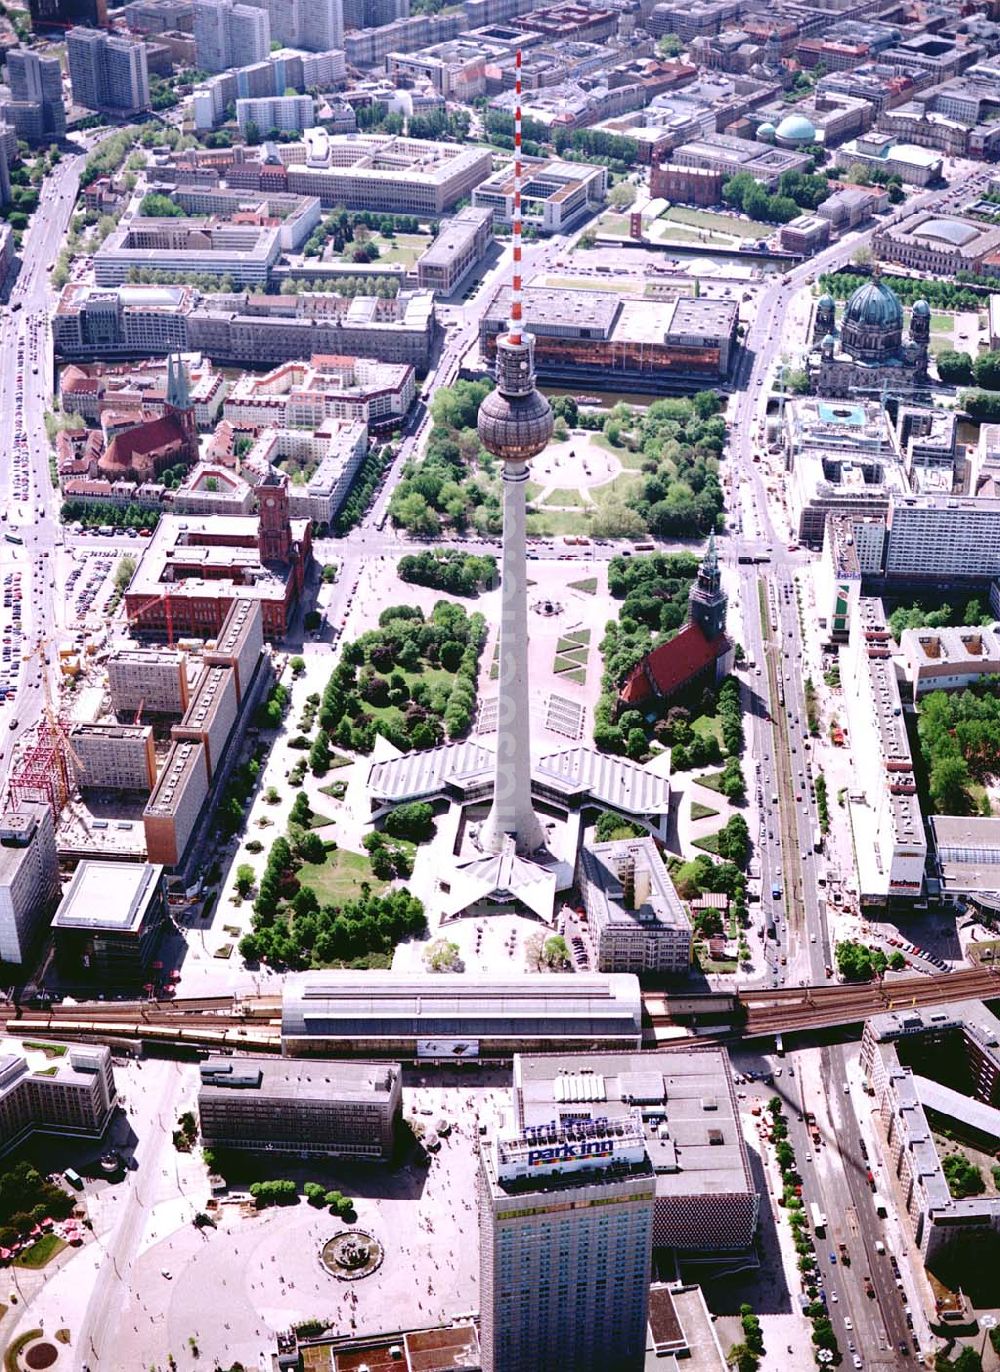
(113,757)
(636,918)
(148,681)
(175,806)
(29,879)
(210,715)
(286,113)
(36,87)
(227,34)
(320,1109)
(109,921)
(944,538)
(107,72)
(302,395)
(239,644)
(337,448)
(71,1093)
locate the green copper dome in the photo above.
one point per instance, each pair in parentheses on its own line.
(921,307)
(874,305)
(826,302)
(796,128)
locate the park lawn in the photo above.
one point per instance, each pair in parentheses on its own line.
(708,726)
(713,780)
(564,495)
(434,676)
(611,223)
(586,283)
(532,490)
(576,674)
(339,877)
(710,844)
(624,486)
(699,811)
(629,459)
(403,250)
(721,223)
(552,523)
(587,587)
(338,760)
(563,664)
(42,1252)
(942,323)
(579,638)
(577,657)
(677,233)
(318,820)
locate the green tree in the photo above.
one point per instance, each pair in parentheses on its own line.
(954,368)
(442,956)
(245,878)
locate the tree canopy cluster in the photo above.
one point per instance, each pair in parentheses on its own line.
(964,1178)
(743,193)
(922,616)
(456,481)
(291,928)
(959,735)
(27,1198)
(158,206)
(372,691)
(942,294)
(857,962)
(449,570)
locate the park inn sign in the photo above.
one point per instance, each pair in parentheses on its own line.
(563,1152)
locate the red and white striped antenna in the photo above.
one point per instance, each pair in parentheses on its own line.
(514,330)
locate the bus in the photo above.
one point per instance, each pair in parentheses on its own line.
(776,890)
(818,1218)
(817,840)
(779,1045)
(880,1209)
(74,1178)
(13,538)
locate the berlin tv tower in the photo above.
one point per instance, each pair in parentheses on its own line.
(515,423)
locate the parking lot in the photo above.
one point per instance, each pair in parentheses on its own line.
(13,637)
(90,584)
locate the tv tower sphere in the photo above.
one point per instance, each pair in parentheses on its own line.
(515,421)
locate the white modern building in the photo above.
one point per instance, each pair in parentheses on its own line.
(227,34)
(636,918)
(554,195)
(107,71)
(885,813)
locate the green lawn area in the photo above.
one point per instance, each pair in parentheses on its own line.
(41,1252)
(434,676)
(532,490)
(564,495)
(588,586)
(339,878)
(722,223)
(710,844)
(579,638)
(942,323)
(318,820)
(612,223)
(708,726)
(552,523)
(586,283)
(676,233)
(338,760)
(699,811)
(713,780)
(625,485)
(576,674)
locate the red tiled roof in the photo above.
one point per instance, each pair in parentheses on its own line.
(136,449)
(672,665)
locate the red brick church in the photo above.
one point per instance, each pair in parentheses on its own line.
(700,655)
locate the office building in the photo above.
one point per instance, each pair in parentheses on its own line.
(944,538)
(107,72)
(176,804)
(723,153)
(302,395)
(147,681)
(424,1019)
(130,321)
(565,1243)
(636,918)
(160,16)
(461,244)
(36,87)
(63,14)
(387,173)
(636,342)
(68,1091)
(29,879)
(889,840)
(554,195)
(113,757)
(914,1060)
(284,113)
(109,921)
(244,252)
(229,35)
(949,659)
(320,1109)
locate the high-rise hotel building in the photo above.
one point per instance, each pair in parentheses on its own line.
(566,1229)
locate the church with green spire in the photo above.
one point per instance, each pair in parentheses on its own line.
(700,655)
